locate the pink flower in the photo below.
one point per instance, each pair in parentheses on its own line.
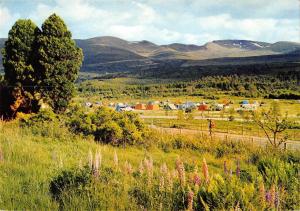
(141,168)
(262,193)
(161,184)
(196,179)
(128,168)
(164,169)
(181,171)
(190,199)
(205,170)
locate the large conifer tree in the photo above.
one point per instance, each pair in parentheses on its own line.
(19,66)
(59,62)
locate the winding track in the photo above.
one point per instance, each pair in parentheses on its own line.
(294,145)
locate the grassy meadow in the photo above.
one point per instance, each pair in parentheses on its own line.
(167,172)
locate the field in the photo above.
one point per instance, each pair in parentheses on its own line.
(239,124)
(32,157)
(50,161)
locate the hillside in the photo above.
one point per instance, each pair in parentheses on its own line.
(112,54)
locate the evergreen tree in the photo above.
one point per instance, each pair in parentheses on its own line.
(19,63)
(59,62)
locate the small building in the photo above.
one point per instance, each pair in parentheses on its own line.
(187,105)
(170,106)
(219,107)
(226,102)
(88,104)
(203,107)
(244,102)
(249,107)
(140,106)
(122,107)
(152,107)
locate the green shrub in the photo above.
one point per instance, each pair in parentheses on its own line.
(225,194)
(70,180)
(282,174)
(108,126)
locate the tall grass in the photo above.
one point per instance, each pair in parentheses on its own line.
(164,172)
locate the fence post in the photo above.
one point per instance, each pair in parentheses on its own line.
(284,146)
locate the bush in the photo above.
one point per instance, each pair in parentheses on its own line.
(47,124)
(225,194)
(70,180)
(108,126)
(282,174)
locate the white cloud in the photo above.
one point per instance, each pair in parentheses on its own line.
(7,19)
(5,16)
(166,21)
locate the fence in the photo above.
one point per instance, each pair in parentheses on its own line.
(223,127)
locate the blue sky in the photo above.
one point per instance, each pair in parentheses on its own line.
(164,21)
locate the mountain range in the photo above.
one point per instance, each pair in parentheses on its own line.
(112,54)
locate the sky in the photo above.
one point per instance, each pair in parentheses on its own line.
(164,21)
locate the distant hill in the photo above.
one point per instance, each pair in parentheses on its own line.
(112,54)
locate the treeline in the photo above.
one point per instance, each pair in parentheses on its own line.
(282,85)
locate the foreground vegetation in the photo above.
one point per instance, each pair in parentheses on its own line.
(47,165)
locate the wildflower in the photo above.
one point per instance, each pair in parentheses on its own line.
(141,168)
(169,181)
(190,199)
(128,168)
(277,200)
(196,179)
(116,160)
(272,196)
(164,169)
(149,168)
(262,193)
(181,171)
(238,169)
(205,170)
(161,184)
(225,167)
(174,174)
(96,164)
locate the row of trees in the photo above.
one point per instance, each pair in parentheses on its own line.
(279,85)
(40,66)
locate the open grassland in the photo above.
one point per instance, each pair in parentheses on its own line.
(158,173)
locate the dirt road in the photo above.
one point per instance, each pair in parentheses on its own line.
(295,145)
